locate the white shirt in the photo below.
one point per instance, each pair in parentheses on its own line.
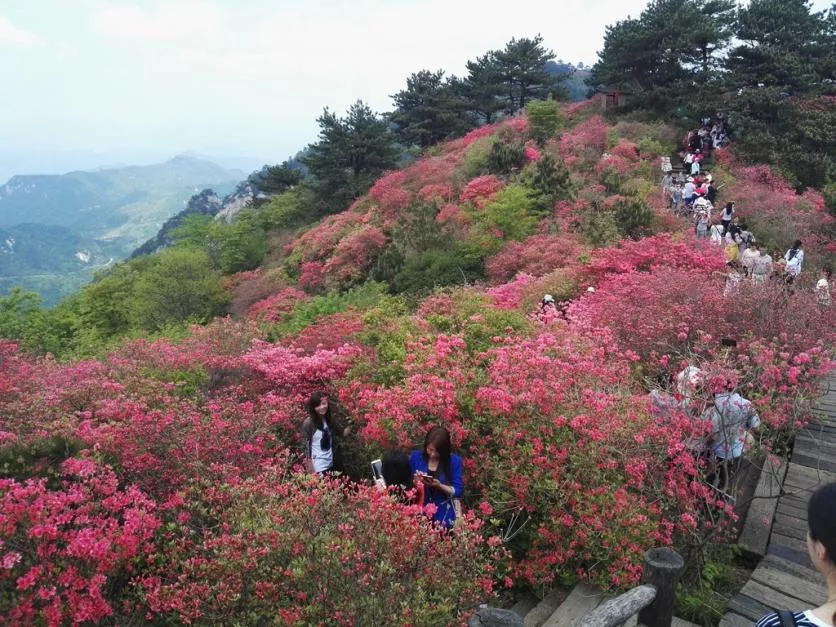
(747,259)
(823,292)
(731,415)
(794,264)
(762,265)
(321,460)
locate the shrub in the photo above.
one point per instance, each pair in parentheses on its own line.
(544,119)
(67,553)
(506,158)
(294,549)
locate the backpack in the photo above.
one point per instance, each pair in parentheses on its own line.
(787,618)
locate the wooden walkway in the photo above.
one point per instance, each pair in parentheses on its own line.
(785,578)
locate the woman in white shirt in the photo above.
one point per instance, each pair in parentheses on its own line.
(795,260)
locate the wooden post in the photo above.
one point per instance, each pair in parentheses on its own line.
(662,570)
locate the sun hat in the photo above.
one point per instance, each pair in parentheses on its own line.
(548,298)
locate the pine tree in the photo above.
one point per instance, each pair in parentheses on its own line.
(430,109)
(483,88)
(522,68)
(351,153)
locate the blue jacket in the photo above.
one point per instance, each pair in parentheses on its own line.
(445,512)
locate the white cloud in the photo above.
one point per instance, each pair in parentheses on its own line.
(175,22)
(13,36)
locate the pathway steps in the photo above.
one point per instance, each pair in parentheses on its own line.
(785,579)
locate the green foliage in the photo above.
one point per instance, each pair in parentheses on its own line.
(600,228)
(277,179)
(475,161)
(549,182)
(429,269)
(544,119)
(512,211)
(180,286)
(649,147)
(483,88)
(238,246)
(288,210)
(522,66)
(654,57)
(352,152)
(386,329)
(704,599)
(783,45)
(430,109)
(40,458)
(16,313)
(633,218)
(304,314)
(505,158)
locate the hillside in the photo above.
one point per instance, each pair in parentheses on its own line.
(127,204)
(187,445)
(64,227)
(50,260)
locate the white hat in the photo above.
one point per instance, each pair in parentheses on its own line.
(548,298)
(590,289)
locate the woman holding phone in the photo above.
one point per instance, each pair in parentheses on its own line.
(440,471)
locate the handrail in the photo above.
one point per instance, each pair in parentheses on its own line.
(618,610)
(653,601)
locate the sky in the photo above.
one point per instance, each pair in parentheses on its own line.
(87,83)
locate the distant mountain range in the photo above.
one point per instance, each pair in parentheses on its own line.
(56,229)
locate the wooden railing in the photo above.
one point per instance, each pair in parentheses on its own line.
(653,601)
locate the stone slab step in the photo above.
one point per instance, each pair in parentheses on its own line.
(544,609)
(582,600)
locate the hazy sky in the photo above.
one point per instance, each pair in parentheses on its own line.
(244,77)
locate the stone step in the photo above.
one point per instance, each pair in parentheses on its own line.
(582,600)
(541,612)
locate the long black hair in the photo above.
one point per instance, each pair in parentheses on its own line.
(313,402)
(821,512)
(796,246)
(439,437)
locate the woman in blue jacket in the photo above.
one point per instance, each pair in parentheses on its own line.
(440,471)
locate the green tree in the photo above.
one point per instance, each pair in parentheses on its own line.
(483,88)
(544,118)
(17,310)
(660,54)
(430,109)
(240,245)
(352,152)
(784,44)
(276,179)
(549,182)
(522,68)
(180,286)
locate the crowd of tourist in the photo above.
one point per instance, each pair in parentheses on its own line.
(691,192)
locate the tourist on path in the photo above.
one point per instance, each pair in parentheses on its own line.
(795,260)
(821,548)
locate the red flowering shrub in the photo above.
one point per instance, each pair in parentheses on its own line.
(481,189)
(659,312)
(271,308)
(537,255)
(312,277)
(354,255)
(297,550)
(62,550)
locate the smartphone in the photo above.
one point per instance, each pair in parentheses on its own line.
(377,469)
(426,478)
